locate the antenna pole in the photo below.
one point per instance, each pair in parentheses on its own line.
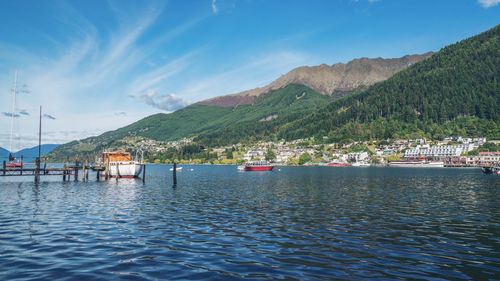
(13,112)
(40,135)
(39,158)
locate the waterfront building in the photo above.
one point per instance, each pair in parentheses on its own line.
(357,156)
(434,152)
(284,155)
(489,158)
(254,155)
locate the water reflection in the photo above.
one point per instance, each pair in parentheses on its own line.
(300,223)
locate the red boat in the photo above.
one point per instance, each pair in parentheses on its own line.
(14,165)
(337,164)
(258,166)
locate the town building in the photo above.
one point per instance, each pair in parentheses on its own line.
(434,152)
(489,158)
(358,156)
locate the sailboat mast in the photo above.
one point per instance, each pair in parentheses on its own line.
(13,112)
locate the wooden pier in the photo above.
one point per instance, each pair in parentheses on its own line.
(67,172)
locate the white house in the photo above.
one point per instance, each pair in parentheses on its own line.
(357,156)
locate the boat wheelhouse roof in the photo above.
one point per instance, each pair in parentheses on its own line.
(258,163)
(119,155)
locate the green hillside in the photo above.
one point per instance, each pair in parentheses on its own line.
(456,91)
(210,125)
(262,120)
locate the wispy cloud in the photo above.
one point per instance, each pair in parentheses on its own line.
(95,69)
(368,1)
(9,114)
(48,116)
(215,10)
(151,81)
(488,3)
(223,6)
(252,72)
(167,102)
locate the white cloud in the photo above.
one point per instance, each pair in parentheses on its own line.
(223,6)
(214,7)
(488,3)
(167,102)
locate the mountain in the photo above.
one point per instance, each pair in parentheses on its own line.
(337,79)
(29,154)
(4,154)
(454,92)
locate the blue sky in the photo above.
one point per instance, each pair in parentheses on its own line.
(98,65)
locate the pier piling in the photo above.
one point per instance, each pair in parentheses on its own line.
(37,170)
(174,174)
(76,169)
(143,173)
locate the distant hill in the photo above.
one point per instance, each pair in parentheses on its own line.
(28,154)
(338,79)
(4,153)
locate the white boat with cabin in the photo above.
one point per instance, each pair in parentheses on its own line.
(121,165)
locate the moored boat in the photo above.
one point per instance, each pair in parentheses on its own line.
(360,164)
(258,166)
(495,170)
(338,164)
(121,164)
(417,164)
(13,165)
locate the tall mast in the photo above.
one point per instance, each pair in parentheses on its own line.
(40,136)
(13,112)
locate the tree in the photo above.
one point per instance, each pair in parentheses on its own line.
(304,158)
(229,153)
(270,155)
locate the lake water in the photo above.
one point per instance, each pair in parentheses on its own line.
(304,223)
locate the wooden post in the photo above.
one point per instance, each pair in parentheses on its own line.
(45,167)
(106,175)
(84,167)
(64,172)
(4,167)
(174,173)
(22,162)
(76,169)
(143,173)
(98,174)
(37,170)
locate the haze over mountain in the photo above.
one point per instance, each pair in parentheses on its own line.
(339,78)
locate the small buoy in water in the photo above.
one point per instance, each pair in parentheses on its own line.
(191,169)
(279,170)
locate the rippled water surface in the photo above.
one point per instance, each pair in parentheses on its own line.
(302,223)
